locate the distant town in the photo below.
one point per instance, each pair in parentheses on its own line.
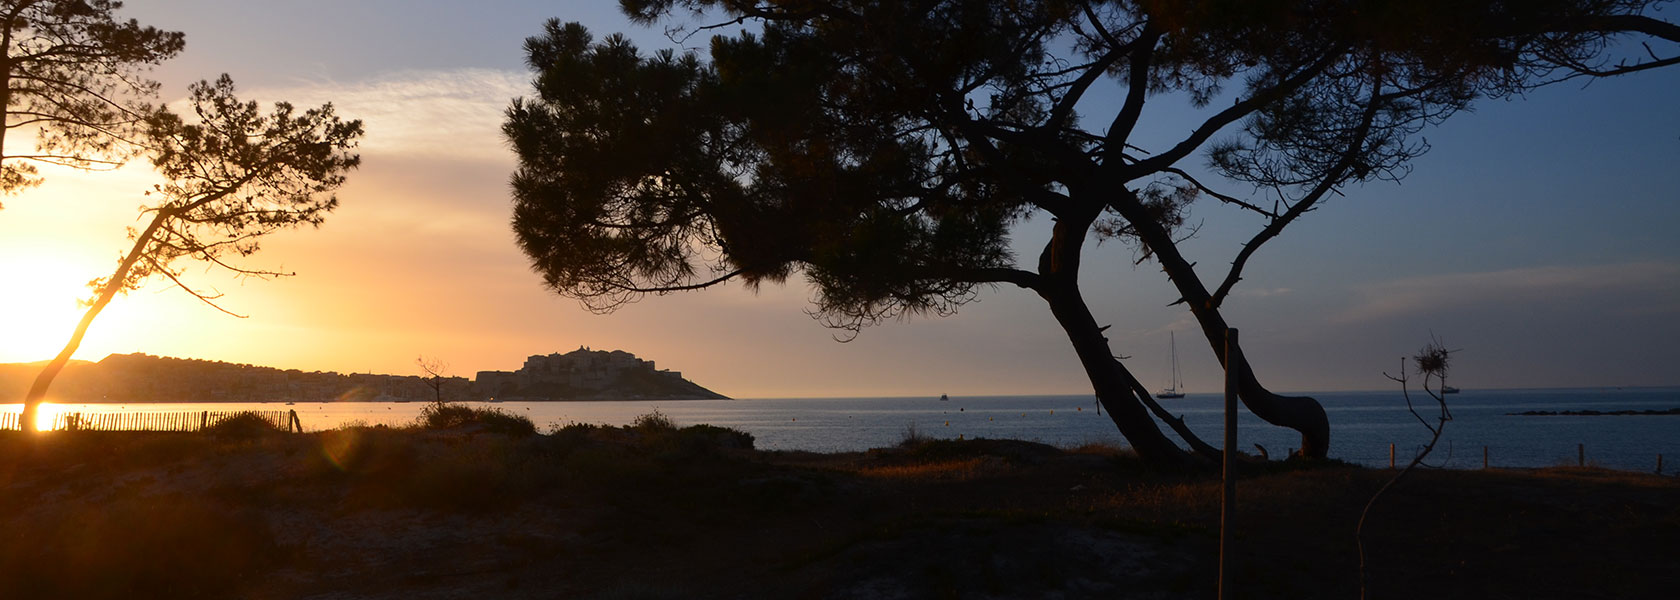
(581,374)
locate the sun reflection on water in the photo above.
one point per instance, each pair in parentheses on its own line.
(46,416)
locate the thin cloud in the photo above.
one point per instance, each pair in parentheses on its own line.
(1265,293)
(456,114)
(1644,287)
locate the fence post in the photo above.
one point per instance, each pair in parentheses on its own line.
(1391,455)
(204,420)
(1484,458)
(1659,464)
(1228,504)
(1580,455)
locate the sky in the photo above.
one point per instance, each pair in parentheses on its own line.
(1537,237)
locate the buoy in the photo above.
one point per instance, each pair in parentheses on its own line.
(1079,409)
(947,423)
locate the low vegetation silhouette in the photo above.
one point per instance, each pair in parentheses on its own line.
(244,426)
(445,415)
(94,514)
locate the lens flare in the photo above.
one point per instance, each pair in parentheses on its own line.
(337,446)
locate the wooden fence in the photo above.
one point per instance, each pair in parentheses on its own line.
(1580,457)
(157,421)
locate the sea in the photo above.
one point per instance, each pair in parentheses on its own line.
(1363,424)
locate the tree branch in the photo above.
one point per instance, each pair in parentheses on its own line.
(1137,90)
(1326,184)
(157,268)
(675,288)
(1225,117)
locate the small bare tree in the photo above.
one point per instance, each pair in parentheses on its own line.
(434,370)
(1431,363)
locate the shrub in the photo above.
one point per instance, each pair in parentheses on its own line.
(242,426)
(503,422)
(662,435)
(654,422)
(442,415)
(912,436)
(712,436)
(563,440)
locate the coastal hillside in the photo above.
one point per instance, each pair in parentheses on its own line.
(579,375)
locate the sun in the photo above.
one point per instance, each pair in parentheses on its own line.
(38,305)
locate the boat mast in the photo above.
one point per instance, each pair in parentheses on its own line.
(1173,344)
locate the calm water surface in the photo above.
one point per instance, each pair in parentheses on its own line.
(1363,424)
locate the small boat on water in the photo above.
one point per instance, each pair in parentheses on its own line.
(1447,389)
(1172,391)
(944,398)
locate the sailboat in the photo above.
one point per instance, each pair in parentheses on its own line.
(1172,391)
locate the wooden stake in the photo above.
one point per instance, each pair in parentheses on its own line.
(1228,504)
(1581,455)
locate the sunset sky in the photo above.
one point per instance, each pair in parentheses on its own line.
(1538,236)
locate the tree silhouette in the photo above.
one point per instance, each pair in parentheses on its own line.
(232,176)
(885,150)
(433,373)
(1432,363)
(73,78)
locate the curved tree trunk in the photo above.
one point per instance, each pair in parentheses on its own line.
(38,390)
(43,381)
(1111,381)
(1300,413)
(1115,386)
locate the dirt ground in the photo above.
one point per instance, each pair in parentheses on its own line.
(624,513)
